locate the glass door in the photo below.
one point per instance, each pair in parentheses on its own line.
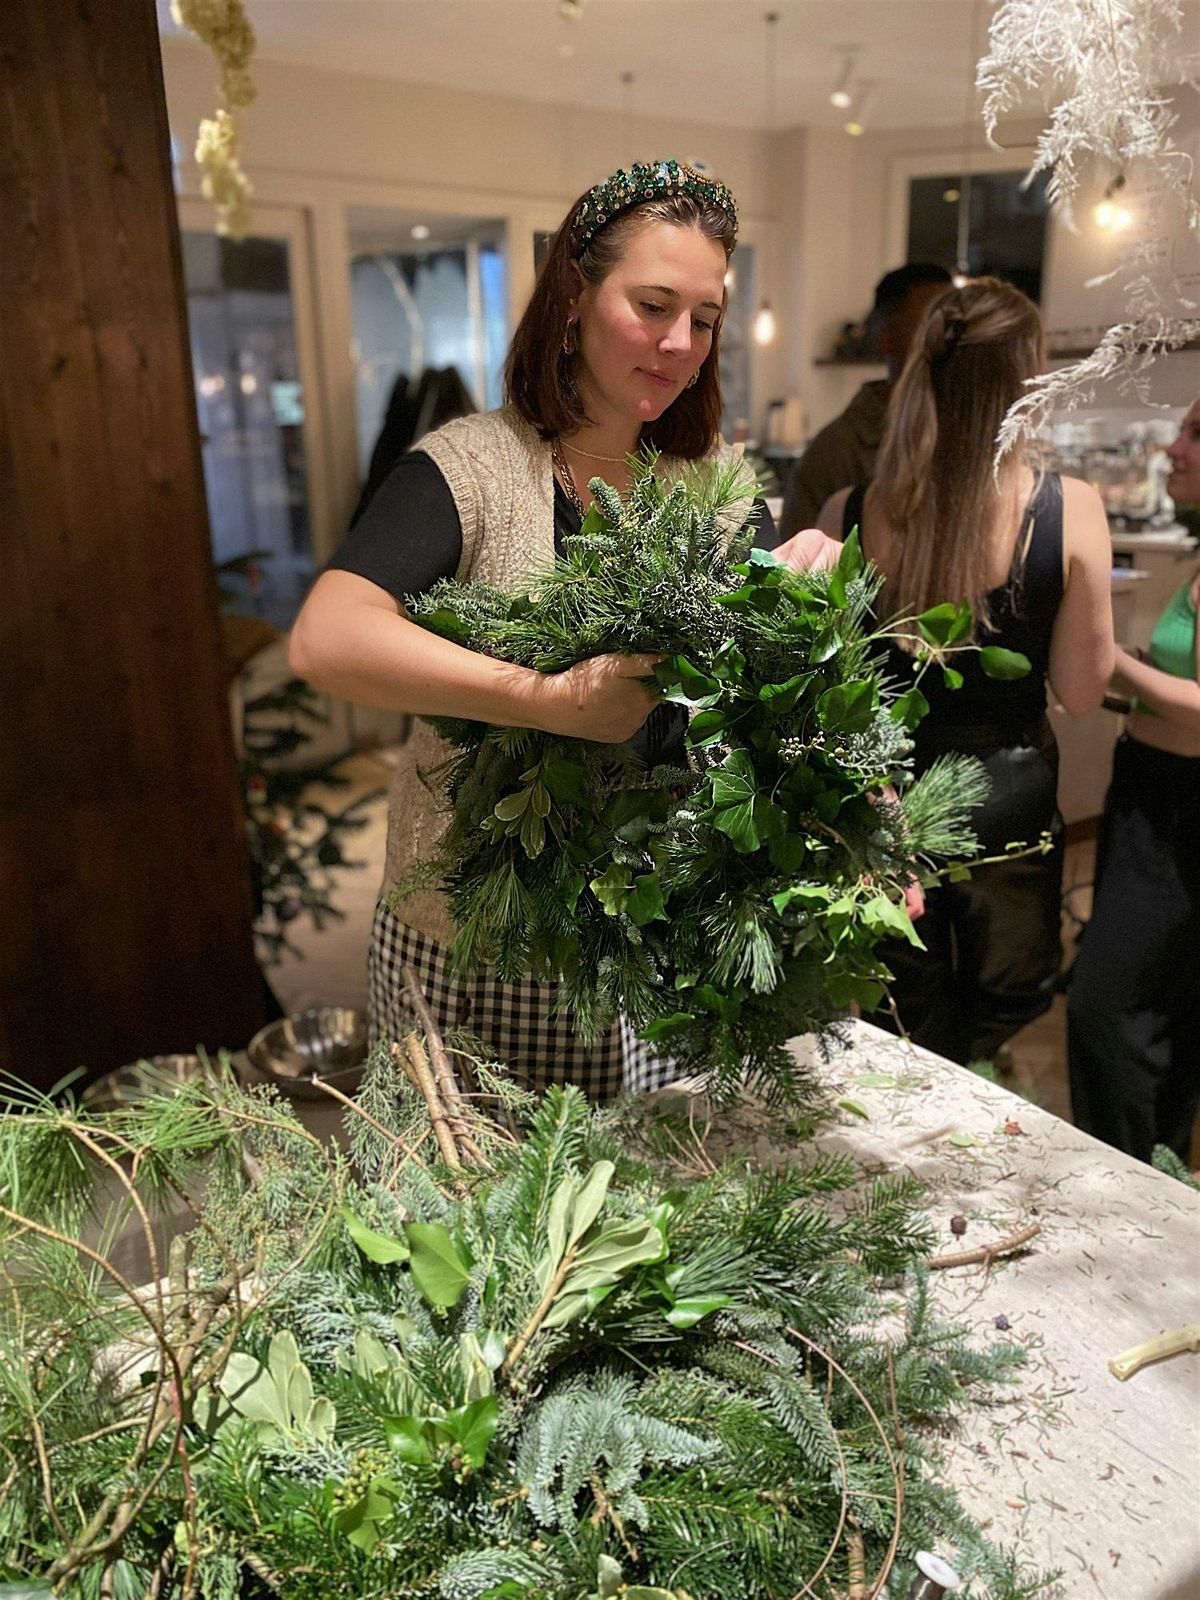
(429,304)
(253,360)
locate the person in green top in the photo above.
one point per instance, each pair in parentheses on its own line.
(1133,1019)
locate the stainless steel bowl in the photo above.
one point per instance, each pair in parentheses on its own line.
(126,1085)
(329,1043)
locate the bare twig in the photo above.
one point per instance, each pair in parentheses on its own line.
(517,1348)
(988,1252)
(420,1074)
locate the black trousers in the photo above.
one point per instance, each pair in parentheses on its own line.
(1133,1019)
(993,943)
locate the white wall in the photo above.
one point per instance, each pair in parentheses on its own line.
(821,208)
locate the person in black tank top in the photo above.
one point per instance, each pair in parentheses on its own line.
(992,943)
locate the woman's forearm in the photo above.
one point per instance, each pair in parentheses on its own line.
(372,656)
(1177,699)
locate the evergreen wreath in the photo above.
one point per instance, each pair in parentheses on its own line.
(461,1364)
(733,905)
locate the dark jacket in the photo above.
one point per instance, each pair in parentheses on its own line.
(842,456)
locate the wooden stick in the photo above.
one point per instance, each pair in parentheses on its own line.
(447,1082)
(423,1077)
(986,1253)
(456,1107)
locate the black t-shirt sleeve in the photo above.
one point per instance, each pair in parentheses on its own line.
(766,535)
(409,535)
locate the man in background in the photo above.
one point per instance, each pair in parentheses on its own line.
(843,454)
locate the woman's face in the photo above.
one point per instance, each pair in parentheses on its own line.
(1184,483)
(644,331)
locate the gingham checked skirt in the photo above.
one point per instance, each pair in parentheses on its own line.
(517,1023)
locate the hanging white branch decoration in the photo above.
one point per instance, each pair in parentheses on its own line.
(225,28)
(1103,65)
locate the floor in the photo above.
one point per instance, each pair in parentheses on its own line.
(331,970)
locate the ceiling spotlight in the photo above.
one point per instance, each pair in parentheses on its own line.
(856,123)
(572,10)
(842,97)
(959,280)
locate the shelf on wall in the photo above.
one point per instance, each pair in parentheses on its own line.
(849,361)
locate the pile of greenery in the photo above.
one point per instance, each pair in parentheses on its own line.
(733,904)
(552,1370)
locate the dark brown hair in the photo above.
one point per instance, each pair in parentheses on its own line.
(935,482)
(539,374)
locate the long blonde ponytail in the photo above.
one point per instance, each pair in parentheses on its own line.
(934,482)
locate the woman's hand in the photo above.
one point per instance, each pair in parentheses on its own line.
(604,698)
(810,550)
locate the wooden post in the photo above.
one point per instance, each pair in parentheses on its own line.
(124,884)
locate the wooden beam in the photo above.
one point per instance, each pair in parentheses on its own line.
(124,884)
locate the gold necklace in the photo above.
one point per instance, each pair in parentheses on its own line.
(565,476)
(590,455)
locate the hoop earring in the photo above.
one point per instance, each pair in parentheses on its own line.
(693,380)
(570,338)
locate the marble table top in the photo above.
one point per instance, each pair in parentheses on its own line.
(1078,1470)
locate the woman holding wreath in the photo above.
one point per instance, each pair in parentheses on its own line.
(617,350)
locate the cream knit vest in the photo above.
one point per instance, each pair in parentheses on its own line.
(502,479)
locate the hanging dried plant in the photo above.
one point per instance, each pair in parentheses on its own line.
(225,28)
(1105,67)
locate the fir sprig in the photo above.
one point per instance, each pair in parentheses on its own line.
(374,1410)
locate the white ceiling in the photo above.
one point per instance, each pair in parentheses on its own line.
(699,60)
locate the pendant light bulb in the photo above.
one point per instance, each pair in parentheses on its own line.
(842,97)
(764,325)
(1106,213)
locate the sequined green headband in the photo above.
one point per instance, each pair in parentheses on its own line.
(633,186)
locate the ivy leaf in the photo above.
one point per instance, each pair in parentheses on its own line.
(1000,663)
(612,888)
(909,708)
(850,562)
(780,698)
(594,522)
(846,988)
(836,589)
(447,624)
(664,1027)
(945,624)
(472,1427)
(884,916)
(692,684)
(438,1270)
(705,727)
(847,707)
(952,677)
(408,1437)
(645,902)
(963,1141)
(737,823)
(566,781)
(380,1247)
